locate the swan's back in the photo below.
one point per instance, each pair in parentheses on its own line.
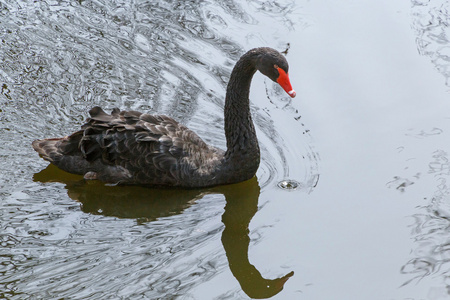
(130,147)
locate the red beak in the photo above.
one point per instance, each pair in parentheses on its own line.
(285,83)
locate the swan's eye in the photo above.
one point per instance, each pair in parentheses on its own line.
(276,67)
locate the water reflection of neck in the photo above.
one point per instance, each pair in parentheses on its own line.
(241,206)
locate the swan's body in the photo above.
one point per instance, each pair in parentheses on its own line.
(129,147)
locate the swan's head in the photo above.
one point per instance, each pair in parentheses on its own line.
(273,64)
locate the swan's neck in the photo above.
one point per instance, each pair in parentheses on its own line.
(242,145)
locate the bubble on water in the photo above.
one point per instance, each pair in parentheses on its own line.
(289,184)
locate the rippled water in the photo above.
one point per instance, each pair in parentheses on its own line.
(350,201)
(60,59)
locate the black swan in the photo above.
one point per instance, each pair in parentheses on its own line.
(130,147)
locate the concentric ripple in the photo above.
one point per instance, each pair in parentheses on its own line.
(58,59)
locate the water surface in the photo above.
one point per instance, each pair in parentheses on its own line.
(365,141)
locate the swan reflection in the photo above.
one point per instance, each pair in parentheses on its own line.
(147,204)
(241,206)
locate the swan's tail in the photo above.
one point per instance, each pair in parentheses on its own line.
(49,149)
(62,153)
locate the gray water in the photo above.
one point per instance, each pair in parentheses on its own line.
(366,141)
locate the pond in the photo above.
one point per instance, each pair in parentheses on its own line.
(351,199)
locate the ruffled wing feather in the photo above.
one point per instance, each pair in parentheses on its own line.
(132,147)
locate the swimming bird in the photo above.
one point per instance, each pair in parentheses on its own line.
(130,147)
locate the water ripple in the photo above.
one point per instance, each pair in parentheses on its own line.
(430,229)
(430,22)
(61,58)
